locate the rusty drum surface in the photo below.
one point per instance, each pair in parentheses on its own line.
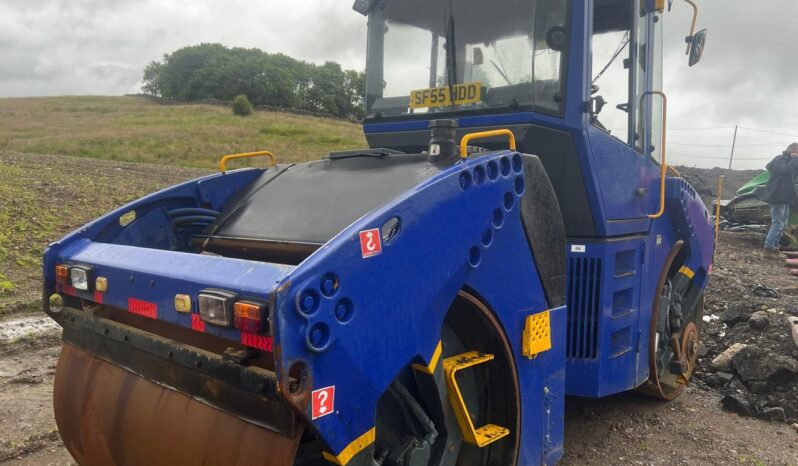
(110,416)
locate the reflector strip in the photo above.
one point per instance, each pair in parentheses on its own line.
(197,323)
(98,297)
(257,341)
(142,308)
(70,290)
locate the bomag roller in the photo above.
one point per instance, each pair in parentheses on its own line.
(430,300)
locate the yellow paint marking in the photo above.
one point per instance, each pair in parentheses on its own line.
(352,449)
(433,362)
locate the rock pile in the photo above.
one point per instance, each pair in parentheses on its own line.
(750,355)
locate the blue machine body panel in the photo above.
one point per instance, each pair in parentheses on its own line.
(442,227)
(454,235)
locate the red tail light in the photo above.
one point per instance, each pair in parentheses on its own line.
(250,317)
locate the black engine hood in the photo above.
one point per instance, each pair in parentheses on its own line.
(290,211)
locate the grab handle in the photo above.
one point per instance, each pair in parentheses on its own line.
(484,135)
(227,158)
(663,164)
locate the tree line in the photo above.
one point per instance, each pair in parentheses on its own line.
(214,71)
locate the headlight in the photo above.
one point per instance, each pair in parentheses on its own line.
(216,307)
(79,277)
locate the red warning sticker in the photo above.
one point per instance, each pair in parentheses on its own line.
(370,243)
(323,402)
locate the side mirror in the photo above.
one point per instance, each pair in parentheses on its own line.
(477,58)
(362,6)
(697,42)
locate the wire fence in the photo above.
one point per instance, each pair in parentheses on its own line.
(747,146)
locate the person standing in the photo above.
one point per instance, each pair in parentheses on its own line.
(781,193)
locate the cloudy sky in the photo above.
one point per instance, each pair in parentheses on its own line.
(749,75)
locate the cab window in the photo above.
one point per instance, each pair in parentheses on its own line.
(444,56)
(612,77)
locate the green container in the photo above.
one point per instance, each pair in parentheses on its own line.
(759,180)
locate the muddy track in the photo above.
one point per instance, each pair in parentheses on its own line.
(28,352)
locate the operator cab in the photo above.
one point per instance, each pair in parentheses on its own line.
(576,82)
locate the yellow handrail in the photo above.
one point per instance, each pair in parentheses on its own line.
(226,158)
(663,164)
(482,135)
(717,208)
(692,27)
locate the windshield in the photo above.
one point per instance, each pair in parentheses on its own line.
(487,54)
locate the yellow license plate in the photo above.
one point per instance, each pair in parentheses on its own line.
(469,93)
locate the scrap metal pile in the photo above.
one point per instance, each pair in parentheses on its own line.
(749,211)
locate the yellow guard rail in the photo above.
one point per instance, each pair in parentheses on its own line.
(246,155)
(484,135)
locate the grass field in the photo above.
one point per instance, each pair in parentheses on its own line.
(45,192)
(43,197)
(135,129)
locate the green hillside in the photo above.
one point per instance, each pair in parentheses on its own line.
(43,197)
(137,130)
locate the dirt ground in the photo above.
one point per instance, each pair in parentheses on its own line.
(750,299)
(624,429)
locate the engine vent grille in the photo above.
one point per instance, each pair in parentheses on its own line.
(584,290)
